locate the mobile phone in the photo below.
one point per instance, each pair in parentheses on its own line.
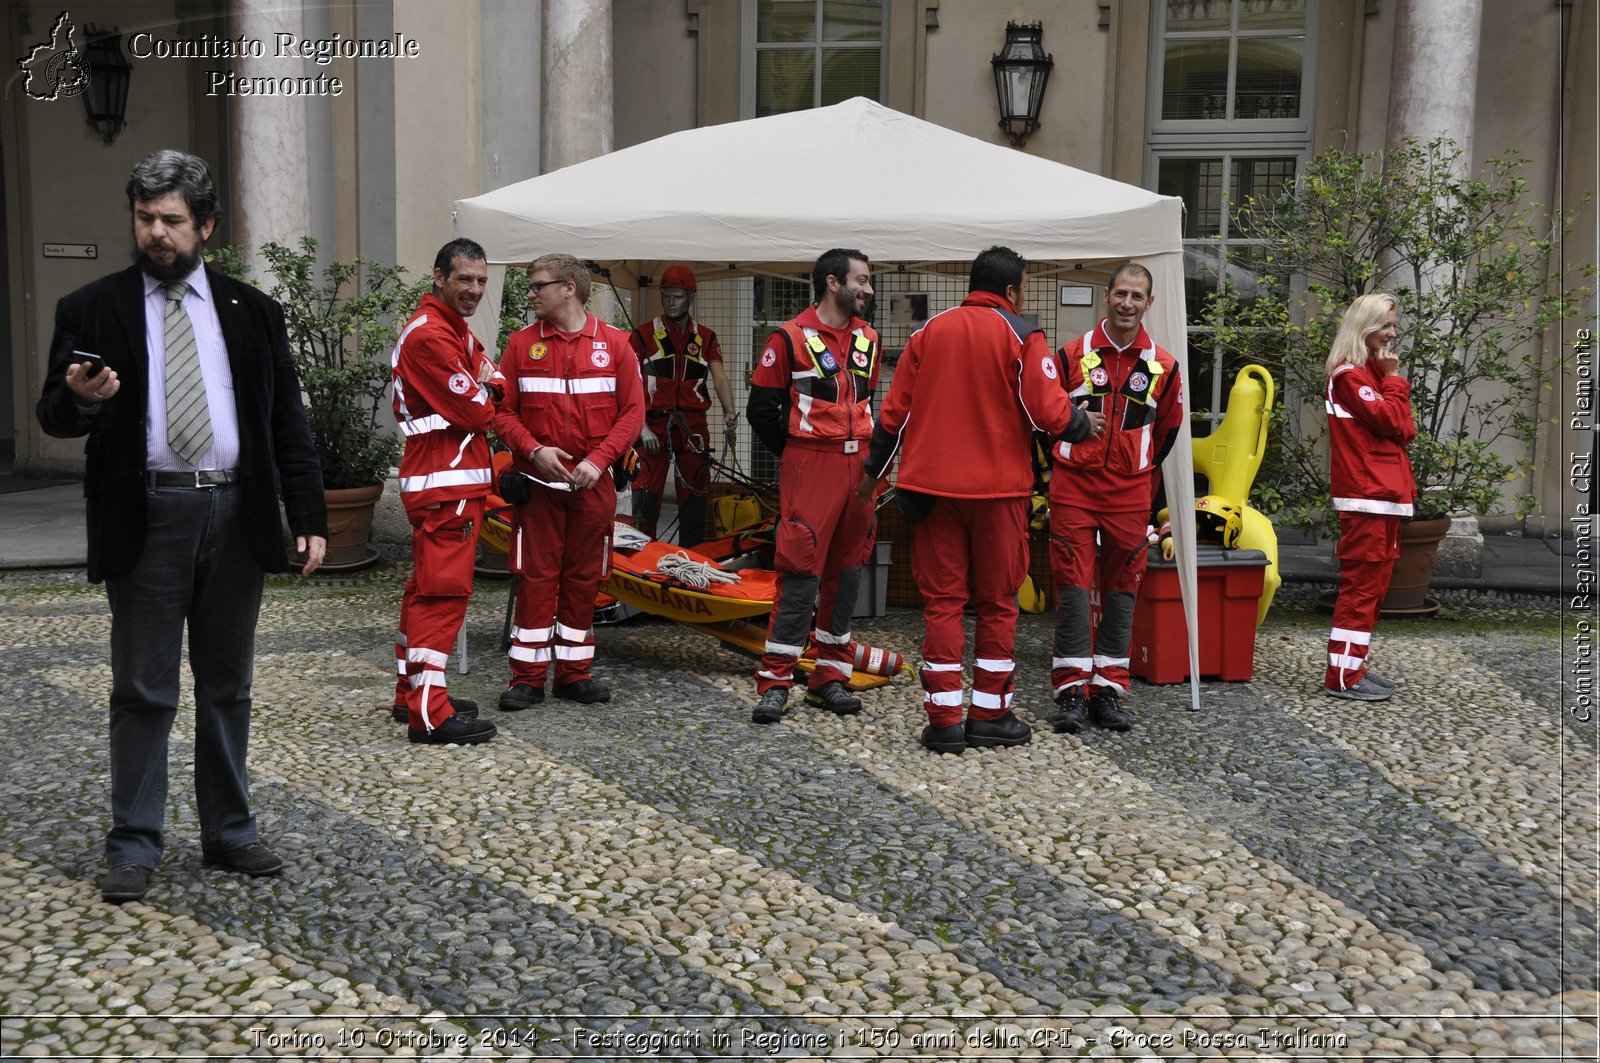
(94,363)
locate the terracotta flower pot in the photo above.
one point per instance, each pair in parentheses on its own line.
(350,527)
(1419,544)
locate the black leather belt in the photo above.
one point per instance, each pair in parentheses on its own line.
(194,478)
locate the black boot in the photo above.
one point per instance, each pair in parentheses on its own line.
(520,696)
(692,521)
(646,511)
(951,739)
(1072,711)
(835,698)
(772,706)
(1004,730)
(465,708)
(1105,710)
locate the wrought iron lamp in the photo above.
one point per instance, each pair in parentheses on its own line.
(105,99)
(1021,71)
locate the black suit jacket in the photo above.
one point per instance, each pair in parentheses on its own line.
(276,456)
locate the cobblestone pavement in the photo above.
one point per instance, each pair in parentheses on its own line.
(1281,875)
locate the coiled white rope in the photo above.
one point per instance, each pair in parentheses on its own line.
(701,574)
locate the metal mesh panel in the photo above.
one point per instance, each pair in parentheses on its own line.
(743,311)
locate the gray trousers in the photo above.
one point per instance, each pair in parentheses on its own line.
(196,568)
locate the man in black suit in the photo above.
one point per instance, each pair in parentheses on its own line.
(183,381)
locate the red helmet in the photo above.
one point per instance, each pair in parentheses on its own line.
(678,276)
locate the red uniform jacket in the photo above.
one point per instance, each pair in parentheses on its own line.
(1139,391)
(973,385)
(442,410)
(676,363)
(580,392)
(1369,418)
(829,376)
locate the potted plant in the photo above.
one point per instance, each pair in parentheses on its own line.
(1466,257)
(342,326)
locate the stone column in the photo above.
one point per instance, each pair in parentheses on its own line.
(577,81)
(1434,81)
(576,123)
(271,194)
(1433,92)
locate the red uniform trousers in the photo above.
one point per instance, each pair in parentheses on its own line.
(444,544)
(981,543)
(1083,652)
(1369,544)
(684,439)
(824,536)
(561,554)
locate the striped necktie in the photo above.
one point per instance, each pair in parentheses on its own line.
(188,417)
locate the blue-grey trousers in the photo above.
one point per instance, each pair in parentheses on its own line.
(196,568)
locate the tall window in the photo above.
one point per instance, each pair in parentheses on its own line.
(811,53)
(1231,87)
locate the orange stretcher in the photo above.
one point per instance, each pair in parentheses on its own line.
(732,612)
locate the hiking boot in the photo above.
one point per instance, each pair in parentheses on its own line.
(455,732)
(1365,690)
(586,691)
(1072,711)
(1105,710)
(520,696)
(949,739)
(835,698)
(773,704)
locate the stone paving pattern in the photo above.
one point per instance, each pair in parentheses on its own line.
(1280,876)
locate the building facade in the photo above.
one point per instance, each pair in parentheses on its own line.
(1209,100)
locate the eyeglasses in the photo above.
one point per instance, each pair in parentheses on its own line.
(535,287)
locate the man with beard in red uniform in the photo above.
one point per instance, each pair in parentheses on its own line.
(445,389)
(1106,484)
(974,382)
(677,355)
(574,404)
(811,404)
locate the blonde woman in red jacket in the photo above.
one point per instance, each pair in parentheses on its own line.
(1370,422)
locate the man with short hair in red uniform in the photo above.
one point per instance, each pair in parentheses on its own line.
(445,388)
(972,386)
(1105,485)
(574,404)
(811,404)
(677,355)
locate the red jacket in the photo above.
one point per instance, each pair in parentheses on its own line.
(973,385)
(580,392)
(1370,422)
(829,375)
(676,363)
(1141,394)
(442,410)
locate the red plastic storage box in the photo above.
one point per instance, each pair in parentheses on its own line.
(1230,593)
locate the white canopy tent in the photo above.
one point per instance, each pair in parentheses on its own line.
(770,194)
